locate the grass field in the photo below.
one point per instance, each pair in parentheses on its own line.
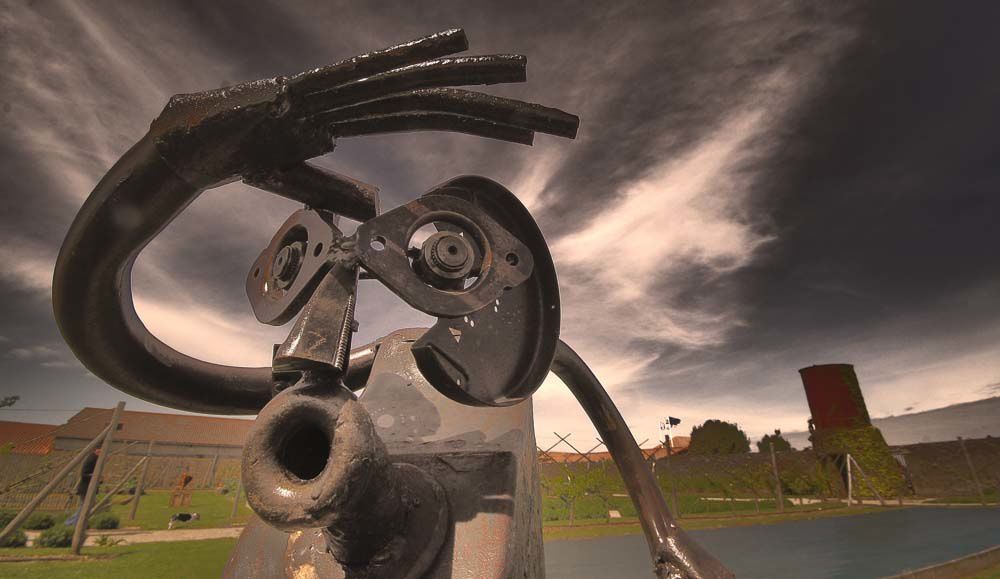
(993,573)
(188,559)
(154,512)
(203,559)
(214,509)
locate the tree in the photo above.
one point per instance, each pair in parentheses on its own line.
(718,437)
(779,442)
(8,401)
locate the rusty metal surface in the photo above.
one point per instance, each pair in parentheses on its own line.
(498,355)
(277,291)
(313,459)
(320,188)
(383,248)
(483,457)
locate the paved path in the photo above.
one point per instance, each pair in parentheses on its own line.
(130,536)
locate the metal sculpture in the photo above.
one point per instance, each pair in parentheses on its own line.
(432,471)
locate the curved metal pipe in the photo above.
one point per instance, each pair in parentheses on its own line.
(92,297)
(675,554)
(421,121)
(92,294)
(434,46)
(454,70)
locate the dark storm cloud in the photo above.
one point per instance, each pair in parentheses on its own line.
(753,189)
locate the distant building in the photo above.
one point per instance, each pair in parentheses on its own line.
(26,438)
(174,434)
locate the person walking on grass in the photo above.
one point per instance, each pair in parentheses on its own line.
(86,474)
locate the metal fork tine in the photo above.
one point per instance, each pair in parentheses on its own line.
(429,47)
(406,122)
(462,102)
(457,71)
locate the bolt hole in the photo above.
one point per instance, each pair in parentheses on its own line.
(512,258)
(305,452)
(256,273)
(318,250)
(452,249)
(378,244)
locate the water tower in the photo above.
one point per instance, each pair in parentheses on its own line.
(840,425)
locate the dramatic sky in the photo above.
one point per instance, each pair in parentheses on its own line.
(755,188)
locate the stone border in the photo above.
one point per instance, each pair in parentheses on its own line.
(956,568)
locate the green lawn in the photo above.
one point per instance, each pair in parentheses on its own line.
(203,559)
(993,573)
(187,559)
(214,509)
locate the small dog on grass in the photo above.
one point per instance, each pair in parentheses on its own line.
(182,518)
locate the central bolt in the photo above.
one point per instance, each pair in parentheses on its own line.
(286,263)
(447,255)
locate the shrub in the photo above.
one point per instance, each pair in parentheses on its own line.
(39,522)
(105,521)
(58,536)
(106,541)
(15,539)
(6,517)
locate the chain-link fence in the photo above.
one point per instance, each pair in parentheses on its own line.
(581,483)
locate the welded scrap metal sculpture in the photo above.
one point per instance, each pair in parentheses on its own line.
(431,472)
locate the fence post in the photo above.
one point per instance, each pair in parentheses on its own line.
(52,484)
(236,499)
(210,479)
(864,477)
(777,480)
(670,477)
(111,494)
(850,481)
(141,482)
(95,481)
(972,471)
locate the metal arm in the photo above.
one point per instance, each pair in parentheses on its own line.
(675,554)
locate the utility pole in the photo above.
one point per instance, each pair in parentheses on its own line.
(972,471)
(777,480)
(141,483)
(95,481)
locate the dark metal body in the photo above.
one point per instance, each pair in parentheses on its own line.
(484,458)
(417,478)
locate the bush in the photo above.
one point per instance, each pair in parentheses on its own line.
(106,541)
(39,522)
(6,517)
(58,536)
(15,539)
(105,521)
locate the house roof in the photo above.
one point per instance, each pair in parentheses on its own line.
(161,427)
(27,437)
